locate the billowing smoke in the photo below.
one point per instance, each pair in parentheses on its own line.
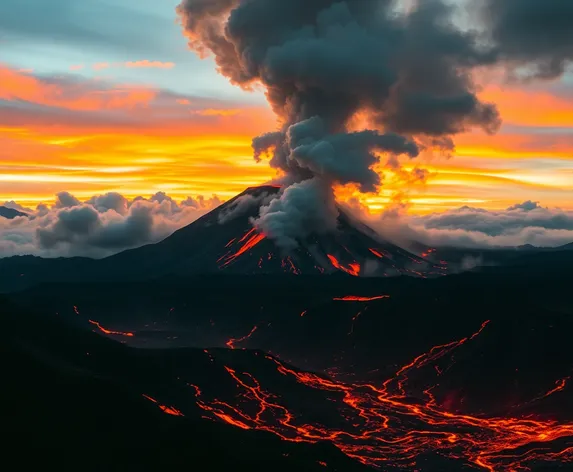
(533,36)
(324,62)
(327,64)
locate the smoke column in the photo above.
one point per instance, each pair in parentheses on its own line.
(324,62)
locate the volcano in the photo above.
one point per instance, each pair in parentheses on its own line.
(225,241)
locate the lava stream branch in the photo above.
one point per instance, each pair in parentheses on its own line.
(352,268)
(166,409)
(248,241)
(231,342)
(107,331)
(354,298)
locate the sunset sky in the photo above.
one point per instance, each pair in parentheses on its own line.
(96,97)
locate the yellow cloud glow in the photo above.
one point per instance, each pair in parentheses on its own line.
(208,150)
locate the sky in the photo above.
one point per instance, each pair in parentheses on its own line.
(105,96)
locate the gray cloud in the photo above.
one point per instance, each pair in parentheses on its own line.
(332,58)
(66,200)
(525,223)
(243,204)
(307,150)
(103,225)
(301,209)
(526,206)
(534,34)
(110,201)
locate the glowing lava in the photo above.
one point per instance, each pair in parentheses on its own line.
(389,426)
(354,298)
(107,331)
(428,252)
(376,253)
(231,342)
(249,240)
(166,409)
(352,269)
(287,263)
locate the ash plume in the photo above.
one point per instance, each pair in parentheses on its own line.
(535,36)
(323,63)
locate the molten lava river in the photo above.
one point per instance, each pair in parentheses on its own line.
(387,427)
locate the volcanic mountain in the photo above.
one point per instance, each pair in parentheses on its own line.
(226,241)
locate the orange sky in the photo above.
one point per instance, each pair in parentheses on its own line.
(91,136)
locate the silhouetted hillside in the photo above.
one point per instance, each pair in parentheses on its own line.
(10,213)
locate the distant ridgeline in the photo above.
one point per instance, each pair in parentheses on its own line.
(10,213)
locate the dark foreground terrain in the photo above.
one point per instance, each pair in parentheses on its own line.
(72,399)
(464,372)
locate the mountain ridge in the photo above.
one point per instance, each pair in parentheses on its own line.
(10,213)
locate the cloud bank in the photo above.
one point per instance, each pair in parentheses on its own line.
(467,227)
(110,223)
(101,226)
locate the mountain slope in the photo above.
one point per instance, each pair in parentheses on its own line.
(225,241)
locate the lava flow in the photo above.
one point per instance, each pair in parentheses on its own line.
(288,264)
(352,269)
(354,298)
(166,409)
(231,342)
(428,252)
(376,253)
(107,331)
(249,240)
(386,426)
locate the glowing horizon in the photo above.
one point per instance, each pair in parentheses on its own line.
(108,121)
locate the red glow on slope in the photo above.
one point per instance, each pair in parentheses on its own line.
(385,424)
(559,387)
(231,342)
(107,331)
(166,409)
(287,263)
(354,318)
(376,253)
(352,269)
(428,252)
(354,298)
(250,240)
(76,310)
